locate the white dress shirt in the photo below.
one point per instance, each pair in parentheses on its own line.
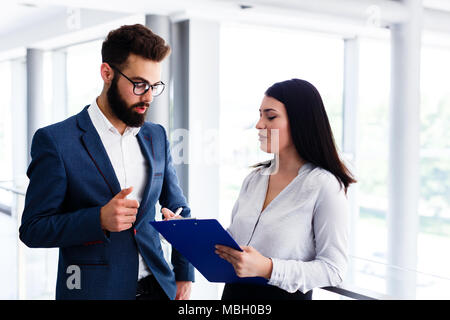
(127,159)
(303,230)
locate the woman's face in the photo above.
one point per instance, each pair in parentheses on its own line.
(273,126)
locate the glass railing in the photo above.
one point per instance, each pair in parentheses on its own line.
(370,279)
(27,273)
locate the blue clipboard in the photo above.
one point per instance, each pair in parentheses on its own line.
(195,240)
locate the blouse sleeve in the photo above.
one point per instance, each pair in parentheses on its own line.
(330,225)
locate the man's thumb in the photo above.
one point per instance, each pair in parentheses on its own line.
(123,193)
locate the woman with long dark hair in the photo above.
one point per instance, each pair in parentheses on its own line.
(291,215)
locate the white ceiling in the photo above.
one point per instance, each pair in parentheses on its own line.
(443,5)
(18,16)
(15,16)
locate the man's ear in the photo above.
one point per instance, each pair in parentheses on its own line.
(107,73)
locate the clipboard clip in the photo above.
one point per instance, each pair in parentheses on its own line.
(174,220)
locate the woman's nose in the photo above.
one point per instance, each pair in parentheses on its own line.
(260,124)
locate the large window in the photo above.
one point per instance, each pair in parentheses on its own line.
(6,165)
(7,224)
(6,171)
(84,83)
(434,203)
(373,148)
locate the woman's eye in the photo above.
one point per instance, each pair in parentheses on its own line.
(271,118)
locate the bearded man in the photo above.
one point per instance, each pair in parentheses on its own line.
(95,179)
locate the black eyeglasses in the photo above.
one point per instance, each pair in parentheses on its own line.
(141,87)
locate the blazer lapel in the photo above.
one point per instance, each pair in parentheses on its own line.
(146,144)
(97,152)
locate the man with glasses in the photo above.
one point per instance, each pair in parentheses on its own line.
(95,179)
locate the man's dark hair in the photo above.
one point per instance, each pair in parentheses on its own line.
(136,39)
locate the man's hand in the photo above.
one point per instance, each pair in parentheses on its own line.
(119,213)
(169,215)
(183,287)
(246,263)
(183,290)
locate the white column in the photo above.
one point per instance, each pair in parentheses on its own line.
(19,118)
(20,160)
(179,120)
(350,135)
(204,38)
(404,152)
(160,108)
(59,89)
(35,93)
(195,123)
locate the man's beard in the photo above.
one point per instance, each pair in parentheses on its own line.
(120,109)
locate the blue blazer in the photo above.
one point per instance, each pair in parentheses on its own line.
(71,178)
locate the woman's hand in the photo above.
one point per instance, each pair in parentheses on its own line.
(246,263)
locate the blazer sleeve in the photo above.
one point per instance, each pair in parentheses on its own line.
(172,198)
(44,224)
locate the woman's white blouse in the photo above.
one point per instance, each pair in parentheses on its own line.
(304,230)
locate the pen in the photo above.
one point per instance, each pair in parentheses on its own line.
(178,211)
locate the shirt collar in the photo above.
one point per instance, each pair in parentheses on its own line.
(306,167)
(134,130)
(274,167)
(106,125)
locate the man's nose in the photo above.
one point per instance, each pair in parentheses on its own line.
(148,96)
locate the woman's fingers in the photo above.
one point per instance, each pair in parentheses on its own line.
(231,255)
(228,250)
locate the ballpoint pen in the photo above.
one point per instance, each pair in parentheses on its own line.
(178,211)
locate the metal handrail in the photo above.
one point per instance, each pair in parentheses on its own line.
(5,209)
(13,190)
(355,293)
